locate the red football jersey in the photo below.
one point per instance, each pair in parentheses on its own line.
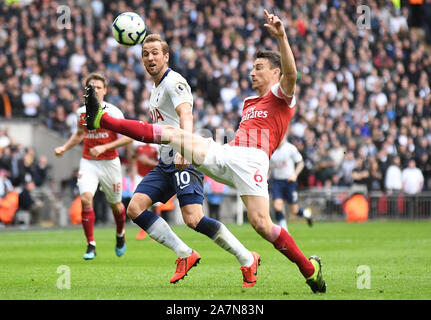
(100,136)
(151,152)
(264,120)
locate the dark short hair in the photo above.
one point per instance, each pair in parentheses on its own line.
(96,76)
(272,56)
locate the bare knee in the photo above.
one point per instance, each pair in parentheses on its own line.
(117,207)
(86,200)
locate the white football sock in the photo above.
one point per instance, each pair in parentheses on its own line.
(163,234)
(225,239)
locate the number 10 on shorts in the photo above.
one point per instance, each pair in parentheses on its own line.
(183,178)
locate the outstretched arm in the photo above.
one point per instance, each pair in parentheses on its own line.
(74,139)
(98,150)
(288,67)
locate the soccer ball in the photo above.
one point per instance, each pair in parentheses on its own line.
(129,29)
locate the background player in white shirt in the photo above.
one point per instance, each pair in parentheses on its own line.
(285,165)
(99,164)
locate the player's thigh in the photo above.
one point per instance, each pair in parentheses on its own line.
(110,179)
(193,147)
(88,179)
(188,185)
(258,213)
(291,192)
(157,185)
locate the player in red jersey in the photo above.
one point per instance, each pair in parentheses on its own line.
(243,163)
(99,165)
(146,158)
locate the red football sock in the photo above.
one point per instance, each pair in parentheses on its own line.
(138,130)
(88,218)
(287,246)
(120,220)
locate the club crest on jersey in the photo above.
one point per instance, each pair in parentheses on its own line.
(180,88)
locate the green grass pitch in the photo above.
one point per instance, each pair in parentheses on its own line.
(396,256)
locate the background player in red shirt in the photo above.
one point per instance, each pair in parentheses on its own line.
(99,164)
(243,163)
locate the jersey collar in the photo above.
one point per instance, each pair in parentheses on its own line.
(165,74)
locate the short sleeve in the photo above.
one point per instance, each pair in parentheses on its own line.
(277,90)
(179,91)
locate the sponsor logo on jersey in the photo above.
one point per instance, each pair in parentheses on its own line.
(252,113)
(156,116)
(97,135)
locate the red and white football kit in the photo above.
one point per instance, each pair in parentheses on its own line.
(106,168)
(243,163)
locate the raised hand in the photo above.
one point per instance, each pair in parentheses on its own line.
(274,25)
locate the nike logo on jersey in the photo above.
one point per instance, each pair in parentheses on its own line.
(182,187)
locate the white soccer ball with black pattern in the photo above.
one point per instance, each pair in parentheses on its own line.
(129,29)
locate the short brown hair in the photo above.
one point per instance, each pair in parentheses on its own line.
(156,37)
(96,76)
(272,56)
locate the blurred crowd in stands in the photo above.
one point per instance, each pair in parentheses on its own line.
(363,92)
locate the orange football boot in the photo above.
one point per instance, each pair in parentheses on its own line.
(184,265)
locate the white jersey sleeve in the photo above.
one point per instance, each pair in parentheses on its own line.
(294,153)
(178,90)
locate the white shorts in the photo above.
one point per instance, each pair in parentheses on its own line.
(243,168)
(107,173)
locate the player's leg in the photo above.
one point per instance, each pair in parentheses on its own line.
(301,212)
(278,204)
(192,147)
(119,212)
(215,230)
(110,180)
(258,215)
(87,185)
(87,221)
(159,230)
(294,208)
(157,187)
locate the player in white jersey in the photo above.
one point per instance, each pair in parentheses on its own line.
(99,165)
(286,164)
(171,103)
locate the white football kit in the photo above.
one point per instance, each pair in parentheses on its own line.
(283,161)
(103,171)
(172,91)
